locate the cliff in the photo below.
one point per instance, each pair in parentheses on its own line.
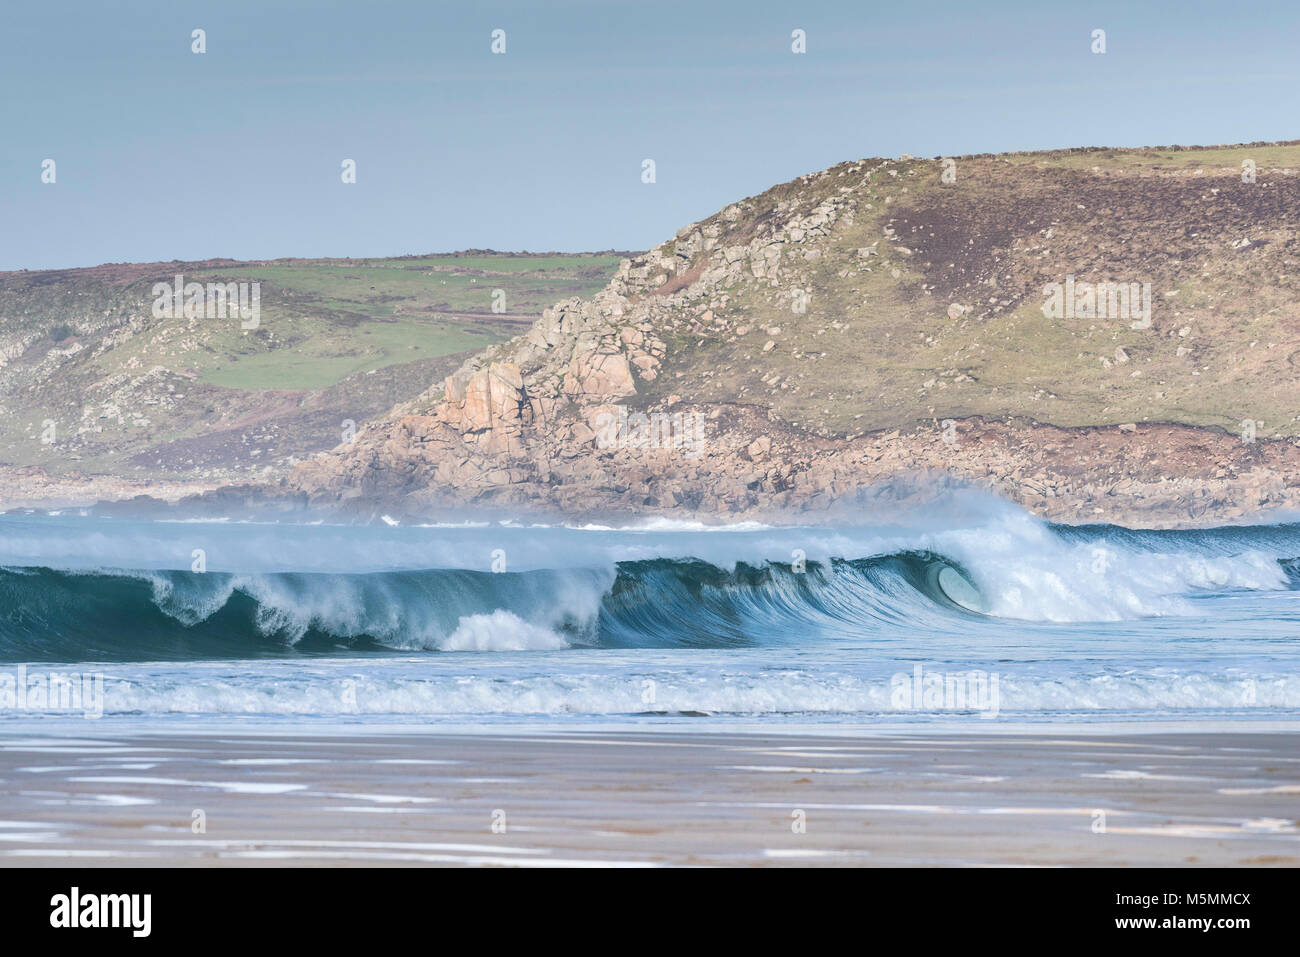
(1095,334)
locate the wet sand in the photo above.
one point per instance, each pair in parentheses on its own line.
(111,794)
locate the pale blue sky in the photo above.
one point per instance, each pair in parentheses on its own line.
(163,154)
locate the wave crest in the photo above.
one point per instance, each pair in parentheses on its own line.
(856,583)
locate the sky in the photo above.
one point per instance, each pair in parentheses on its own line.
(162,153)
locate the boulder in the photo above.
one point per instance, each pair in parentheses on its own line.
(599,375)
(494,397)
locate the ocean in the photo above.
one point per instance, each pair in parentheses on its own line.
(975,611)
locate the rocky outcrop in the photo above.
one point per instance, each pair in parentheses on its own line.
(32,487)
(605,404)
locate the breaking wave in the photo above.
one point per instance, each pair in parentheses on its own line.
(609,589)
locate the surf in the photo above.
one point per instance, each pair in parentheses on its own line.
(108,614)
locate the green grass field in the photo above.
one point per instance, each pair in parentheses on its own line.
(130,391)
(324,320)
(319,360)
(431,285)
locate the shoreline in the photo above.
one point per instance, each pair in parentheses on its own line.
(663,794)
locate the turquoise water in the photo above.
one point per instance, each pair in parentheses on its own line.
(976,611)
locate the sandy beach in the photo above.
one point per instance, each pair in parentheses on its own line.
(92,793)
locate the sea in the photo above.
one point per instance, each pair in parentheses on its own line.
(974,611)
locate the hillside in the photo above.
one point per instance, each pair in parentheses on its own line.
(884,319)
(100,397)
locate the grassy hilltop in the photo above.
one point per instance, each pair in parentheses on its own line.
(142,397)
(941,316)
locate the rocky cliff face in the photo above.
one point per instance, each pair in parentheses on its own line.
(873,321)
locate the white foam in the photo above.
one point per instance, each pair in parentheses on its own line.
(501,631)
(445,690)
(1024,568)
(232,787)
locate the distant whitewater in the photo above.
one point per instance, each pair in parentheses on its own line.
(788,623)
